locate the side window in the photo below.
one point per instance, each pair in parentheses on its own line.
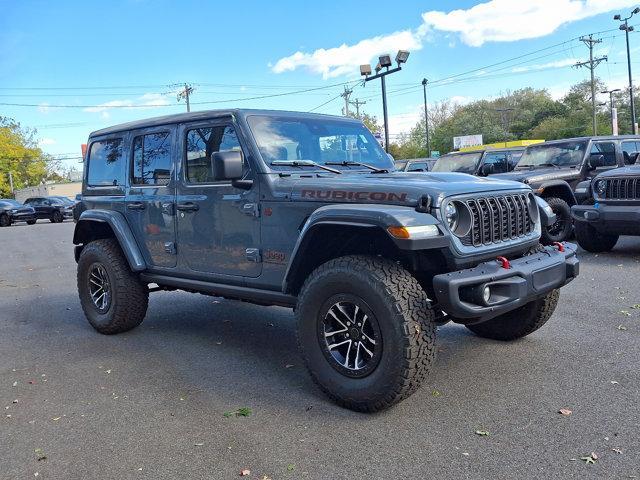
(498,160)
(417,167)
(201,144)
(608,150)
(630,151)
(514,158)
(106,165)
(152,159)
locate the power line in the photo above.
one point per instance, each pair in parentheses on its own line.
(325,103)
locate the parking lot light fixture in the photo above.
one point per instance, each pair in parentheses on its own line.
(384,61)
(624,26)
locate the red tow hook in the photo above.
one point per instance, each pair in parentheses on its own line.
(504,263)
(559,246)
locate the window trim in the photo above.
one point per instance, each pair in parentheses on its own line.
(615,152)
(210,124)
(143,133)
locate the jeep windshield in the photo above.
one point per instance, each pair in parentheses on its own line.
(458,162)
(347,145)
(557,154)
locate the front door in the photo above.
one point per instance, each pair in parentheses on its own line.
(608,152)
(150,201)
(218,224)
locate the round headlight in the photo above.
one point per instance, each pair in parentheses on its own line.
(451,215)
(601,187)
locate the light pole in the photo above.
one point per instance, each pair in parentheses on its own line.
(611,92)
(426,115)
(629,28)
(384,61)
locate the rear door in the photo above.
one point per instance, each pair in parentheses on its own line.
(150,199)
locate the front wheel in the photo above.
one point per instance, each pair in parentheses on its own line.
(593,241)
(112,297)
(520,322)
(31,222)
(5,221)
(366,331)
(57,217)
(561,229)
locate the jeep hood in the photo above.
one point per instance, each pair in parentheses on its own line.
(631,170)
(538,175)
(400,188)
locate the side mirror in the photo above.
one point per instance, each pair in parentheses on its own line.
(596,160)
(227,165)
(487,169)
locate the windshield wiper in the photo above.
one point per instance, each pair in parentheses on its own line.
(346,163)
(302,163)
(548,165)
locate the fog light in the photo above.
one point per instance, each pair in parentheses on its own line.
(486,294)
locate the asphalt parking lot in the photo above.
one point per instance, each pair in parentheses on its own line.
(150,403)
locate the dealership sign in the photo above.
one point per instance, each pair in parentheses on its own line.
(467,141)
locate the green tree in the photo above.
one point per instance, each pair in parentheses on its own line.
(20,156)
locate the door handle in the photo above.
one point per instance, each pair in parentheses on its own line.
(135,206)
(188,207)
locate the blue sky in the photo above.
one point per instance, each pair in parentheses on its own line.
(107,59)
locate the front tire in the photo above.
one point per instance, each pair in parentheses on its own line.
(520,322)
(57,217)
(561,229)
(31,222)
(593,241)
(5,221)
(378,308)
(112,297)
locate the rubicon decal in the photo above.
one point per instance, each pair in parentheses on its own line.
(356,196)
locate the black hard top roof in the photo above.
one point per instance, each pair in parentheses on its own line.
(206,114)
(586,139)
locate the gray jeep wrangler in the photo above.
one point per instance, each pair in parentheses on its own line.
(306,211)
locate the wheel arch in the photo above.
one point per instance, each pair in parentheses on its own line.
(97,224)
(559,189)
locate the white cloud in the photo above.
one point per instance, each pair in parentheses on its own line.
(148,100)
(46,141)
(345,59)
(542,66)
(491,21)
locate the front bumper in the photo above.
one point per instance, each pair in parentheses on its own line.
(459,294)
(23,217)
(612,219)
(67,213)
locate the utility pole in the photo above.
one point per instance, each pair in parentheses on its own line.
(188,90)
(591,65)
(614,123)
(346,94)
(358,103)
(11,182)
(629,28)
(426,115)
(505,121)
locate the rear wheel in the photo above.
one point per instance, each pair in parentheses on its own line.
(561,229)
(57,217)
(520,322)
(366,331)
(112,297)
(31,222)
(5,221)
(593,241)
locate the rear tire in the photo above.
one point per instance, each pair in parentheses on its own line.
(392,305)
(520,322)
(561,230)
(593,241)
(5,221)
(121,303)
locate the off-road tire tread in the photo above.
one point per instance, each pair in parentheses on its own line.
(593,241)
(519,322)
(413,311)
(554,203)
(132,295)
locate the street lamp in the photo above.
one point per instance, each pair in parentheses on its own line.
(426,115)
(384,62)
(613,124)
(629,28)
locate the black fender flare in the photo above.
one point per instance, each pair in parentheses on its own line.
(365,216)
(540,189)
(121,231)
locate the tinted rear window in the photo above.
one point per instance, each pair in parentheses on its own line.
(106,163)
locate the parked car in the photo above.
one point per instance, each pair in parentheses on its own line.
(53,209)
(307,211)
(560,171)
(415,164)
(613,211)
(481,162)
(12,211)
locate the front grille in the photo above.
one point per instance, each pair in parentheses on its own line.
(498,219)
(623,188)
